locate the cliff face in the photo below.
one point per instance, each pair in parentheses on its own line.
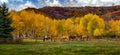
(67,12)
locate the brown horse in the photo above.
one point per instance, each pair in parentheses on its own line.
(85,37)
(64,38)
(72,38)
(47,38)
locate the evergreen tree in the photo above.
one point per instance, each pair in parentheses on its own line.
(5,23)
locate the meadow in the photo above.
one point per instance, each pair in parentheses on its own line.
(93,47)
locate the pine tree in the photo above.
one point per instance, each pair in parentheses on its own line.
(5,23)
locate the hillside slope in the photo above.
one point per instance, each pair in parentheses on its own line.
(67,12)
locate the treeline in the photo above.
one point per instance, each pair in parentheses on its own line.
(33,25)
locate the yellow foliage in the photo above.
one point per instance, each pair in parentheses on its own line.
(79,30)
(31,24)
(118,28)
(54,31)
(98,32)
(84,22)
(113,25)
(95,23)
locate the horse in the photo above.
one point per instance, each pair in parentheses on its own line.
(72,38)
(64,38)
(47,38)
(85,37)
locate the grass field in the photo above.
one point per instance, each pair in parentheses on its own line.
(94,47)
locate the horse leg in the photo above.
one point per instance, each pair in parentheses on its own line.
(80,38)
(69,38)
(87,38)
(51,39)
(83,38)
(76,38)
(43,39)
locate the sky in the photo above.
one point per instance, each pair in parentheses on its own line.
(22,4)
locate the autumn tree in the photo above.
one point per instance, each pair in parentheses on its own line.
(96,26)
(54,29)
(61,28)
(47,25)
(17,24)
(78,28)
(39,25)
(92,25)
(118,28)
(84,22)
(115,27)
(69,26)
(30,25)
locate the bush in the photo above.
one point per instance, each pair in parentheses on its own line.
(6,40)
(109,34)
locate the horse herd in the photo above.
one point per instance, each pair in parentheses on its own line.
(67,38)
(61,39)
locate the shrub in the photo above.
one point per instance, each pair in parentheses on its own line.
(109,34)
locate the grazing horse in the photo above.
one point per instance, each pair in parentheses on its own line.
(47,38)
(64,38)
(72,38)
(85,37)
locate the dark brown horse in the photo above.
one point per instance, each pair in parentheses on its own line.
(47,38)
(72,38)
